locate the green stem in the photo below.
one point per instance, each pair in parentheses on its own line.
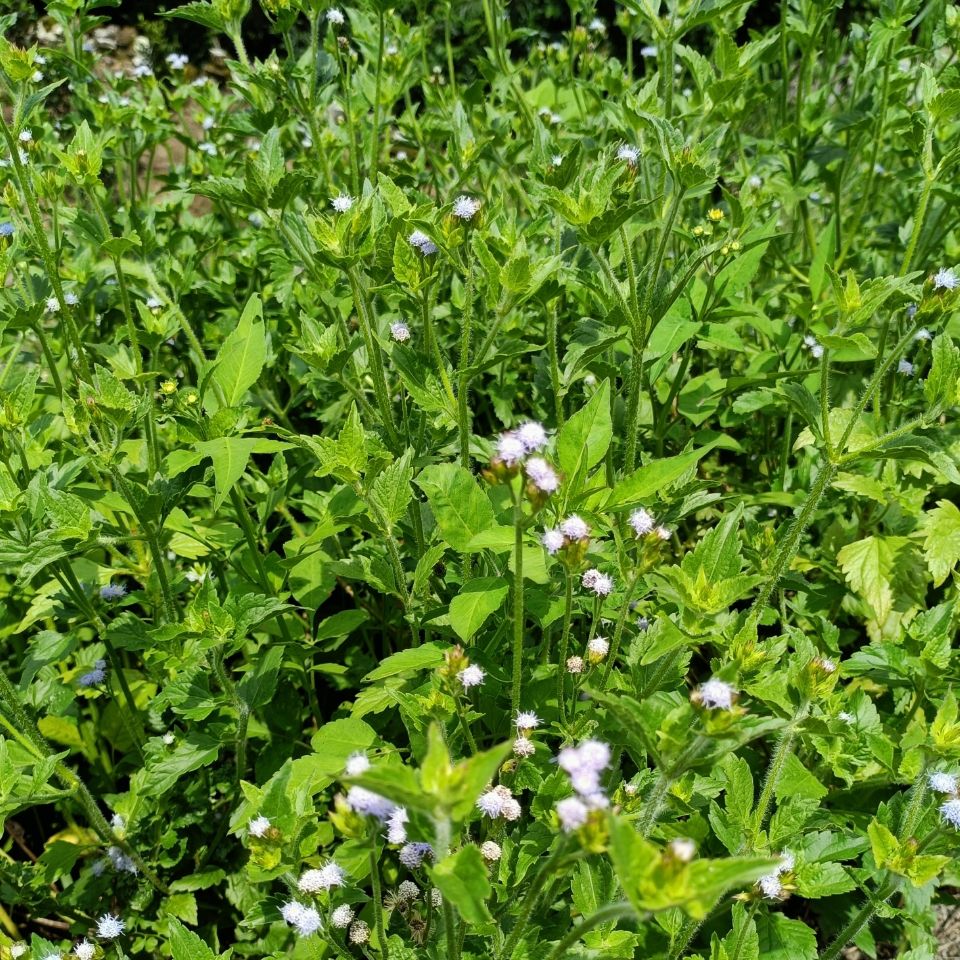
(775,770)
(613,911)
(463,379)
(375,137)
(377,898)
(564,645)
(517,603)
(918,220)
(618,631)
(860,919)
(375,356)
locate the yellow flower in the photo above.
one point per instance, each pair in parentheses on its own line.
(168,387)
(715,215)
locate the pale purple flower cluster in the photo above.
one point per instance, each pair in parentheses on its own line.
(584,765)
(419,240)
(499,802)
(599,583)
(771,884)
(412,855)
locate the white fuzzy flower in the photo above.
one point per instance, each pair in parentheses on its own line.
(25,136)
(552,541)
(465,208)
(683,849)
(335,16)
(770,886)
(471,676)
(816,351)
(716,695)
(642,522)
(557,160)
(574,528)
(542,475)
(923,334)
(648,51)
(109,927)
(18,949)
(372,804)
(510,448)
(628,154)
(422,242)
(177,61)
(663,533)
(572,813)
(291,911)
(524,747)
(596,25)
(84,950)
(532,435)
(400,331)
(942,782)
(945,279)
(308,922)
(53,305)
(210,149)
(491,851)
(397,826)
(755,182)
(342,917)
(846,717)
(575,665)
(258,827)
(490,803)
(71,299)
(598,648)
(326,877)
(357,763)
(527,720)
(600,583)
(905,367)
(341,203)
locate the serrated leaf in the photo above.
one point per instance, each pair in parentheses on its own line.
(241,357)
(477,600)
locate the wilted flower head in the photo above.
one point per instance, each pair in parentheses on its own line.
(575,664)
(53,305)
(663,533)
(359,932)
(109,927)
(716,695)
(922,334)
(945,279)
(400,331)
(465,208)
(258,827)
(471,676)
(407,891)
(342,202)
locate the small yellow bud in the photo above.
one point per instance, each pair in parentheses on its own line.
(168,387)
(715,215)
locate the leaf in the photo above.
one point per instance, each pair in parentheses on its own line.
(941,544)
(462,879)
(391,491)
(426,656)
(883,844)
(207,15)
(230,456)
(242,356)
(942,386)
(334,742)
(868,566)
(459,506)
(584,438)
(186,945)
(477,600)
(657,475)
(784,939)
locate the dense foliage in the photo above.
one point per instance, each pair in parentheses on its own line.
(474,493)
